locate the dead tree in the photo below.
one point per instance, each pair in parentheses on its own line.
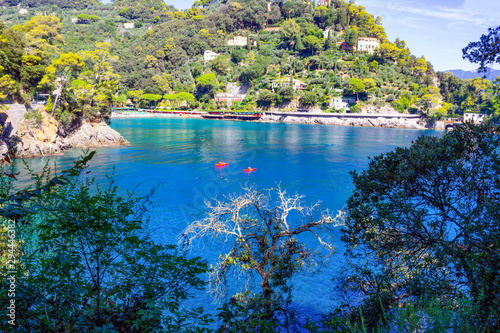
(264,237)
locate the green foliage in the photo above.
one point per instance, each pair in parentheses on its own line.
(312,42)
(86,19)
(221,65)
(207,84)
(34,118)
(286,93)
(62,70)
(309,98)
(423,220)
(355,108)
(266,98)
(92,265)
(151,97)
(356,86)
(485,52)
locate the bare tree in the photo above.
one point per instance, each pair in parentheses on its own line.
(264,237)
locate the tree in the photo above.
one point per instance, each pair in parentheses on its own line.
(7,86)
(185,97)
(99,75)
(424,222)
(42,35)
(88,263)
(309,98)
(221,65)
(356,86)
(289,29)
(266,98)
(486,52)
(312,42)
(265,239)
(135,95)
(164,81)
(421,66)
(61,69)
(207,83)
(351,37)
(286,93)
(237,55)
(252,72)
(151,97)
(249,43)
(251,58)
(370,85)
(299,46)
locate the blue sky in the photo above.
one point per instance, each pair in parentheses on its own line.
(438,29)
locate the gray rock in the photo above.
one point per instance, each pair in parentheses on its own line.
(4,149)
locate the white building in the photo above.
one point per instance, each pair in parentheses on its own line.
(128,25)
(74,20)
(210,55)
(476,118)
(368,44)
(340,102)
(297,84)
(237,41)
(325,32)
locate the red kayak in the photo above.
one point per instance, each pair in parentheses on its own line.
(221,164)
(249,169)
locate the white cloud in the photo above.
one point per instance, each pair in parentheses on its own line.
(455,15)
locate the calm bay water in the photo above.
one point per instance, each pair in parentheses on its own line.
(180,155)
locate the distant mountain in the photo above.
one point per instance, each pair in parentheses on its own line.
(491,75)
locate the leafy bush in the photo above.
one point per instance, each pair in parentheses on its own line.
(424,221)
(87,262)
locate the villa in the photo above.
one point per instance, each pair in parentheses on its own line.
(476,118)
(368,44)
(341,102)
(210,55)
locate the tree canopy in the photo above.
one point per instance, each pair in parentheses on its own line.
(425,220)
(485,52)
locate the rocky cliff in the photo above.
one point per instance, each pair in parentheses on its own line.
(47,138)
(364,120)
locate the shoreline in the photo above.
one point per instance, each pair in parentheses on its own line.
(403,121)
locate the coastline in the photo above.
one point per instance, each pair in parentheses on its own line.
(122,115)
(47,138)
(395,120)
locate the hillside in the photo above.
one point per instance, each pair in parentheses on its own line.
(332,56)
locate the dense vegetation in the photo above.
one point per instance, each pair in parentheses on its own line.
(162,55)
(421,228)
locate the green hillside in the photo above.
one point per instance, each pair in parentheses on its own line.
(317,48)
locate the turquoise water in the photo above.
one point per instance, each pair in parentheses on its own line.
(180,154)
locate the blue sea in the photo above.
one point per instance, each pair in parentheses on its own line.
(179,155)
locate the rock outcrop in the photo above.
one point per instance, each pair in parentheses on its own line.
(47,138)
(364,120)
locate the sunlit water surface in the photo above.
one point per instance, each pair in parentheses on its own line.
(180,154)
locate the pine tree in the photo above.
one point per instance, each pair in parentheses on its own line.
(299,46)
(291,80)
(249,46)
